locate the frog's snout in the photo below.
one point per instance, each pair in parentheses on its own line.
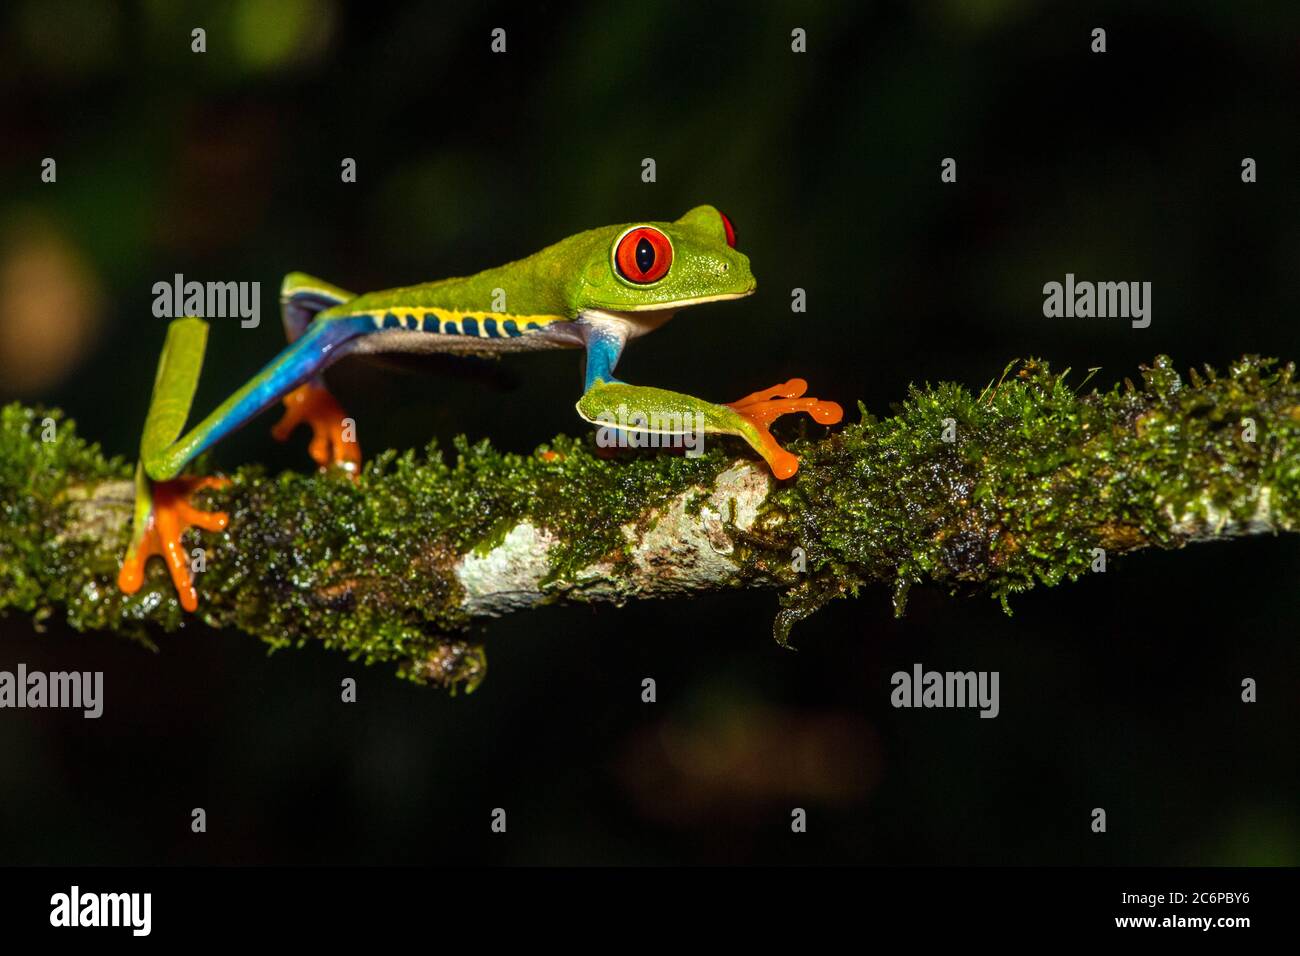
(731,271)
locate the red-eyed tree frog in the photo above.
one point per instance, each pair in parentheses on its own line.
(596,291)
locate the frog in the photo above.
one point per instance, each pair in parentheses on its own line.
(597,291)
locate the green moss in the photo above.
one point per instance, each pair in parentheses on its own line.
(1036,478)
(582,498)
(365,568)
(299,542)
(42,462)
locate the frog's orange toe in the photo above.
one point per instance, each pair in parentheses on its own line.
(171,515)
(333,441)
(763,407)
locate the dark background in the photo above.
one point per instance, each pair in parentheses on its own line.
(1120,691)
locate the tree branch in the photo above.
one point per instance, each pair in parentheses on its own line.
(1024,483)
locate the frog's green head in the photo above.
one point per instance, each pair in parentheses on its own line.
(643,266)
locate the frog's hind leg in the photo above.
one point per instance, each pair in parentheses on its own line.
(333,442)
(163,510)
(303,297)
(165,513)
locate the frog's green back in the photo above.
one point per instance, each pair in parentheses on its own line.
(578,273)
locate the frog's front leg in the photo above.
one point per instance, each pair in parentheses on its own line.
(613,404)
(759,409)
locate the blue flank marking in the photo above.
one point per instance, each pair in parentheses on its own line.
(430,323)
(490,327)
(392,322)
(450,327)
(412,323)
(533,327)
(511,328)
(469,326)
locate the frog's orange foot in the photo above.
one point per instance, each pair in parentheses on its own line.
(764,407)
(333,440)
(170,516)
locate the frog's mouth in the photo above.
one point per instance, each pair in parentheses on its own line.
(698,300)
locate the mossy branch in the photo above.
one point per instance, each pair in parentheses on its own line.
(995,491)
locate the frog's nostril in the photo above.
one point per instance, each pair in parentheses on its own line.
(725,267)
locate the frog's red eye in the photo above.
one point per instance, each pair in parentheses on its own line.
(730,229)
(643,255)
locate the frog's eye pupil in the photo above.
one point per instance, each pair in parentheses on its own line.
(645,254)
